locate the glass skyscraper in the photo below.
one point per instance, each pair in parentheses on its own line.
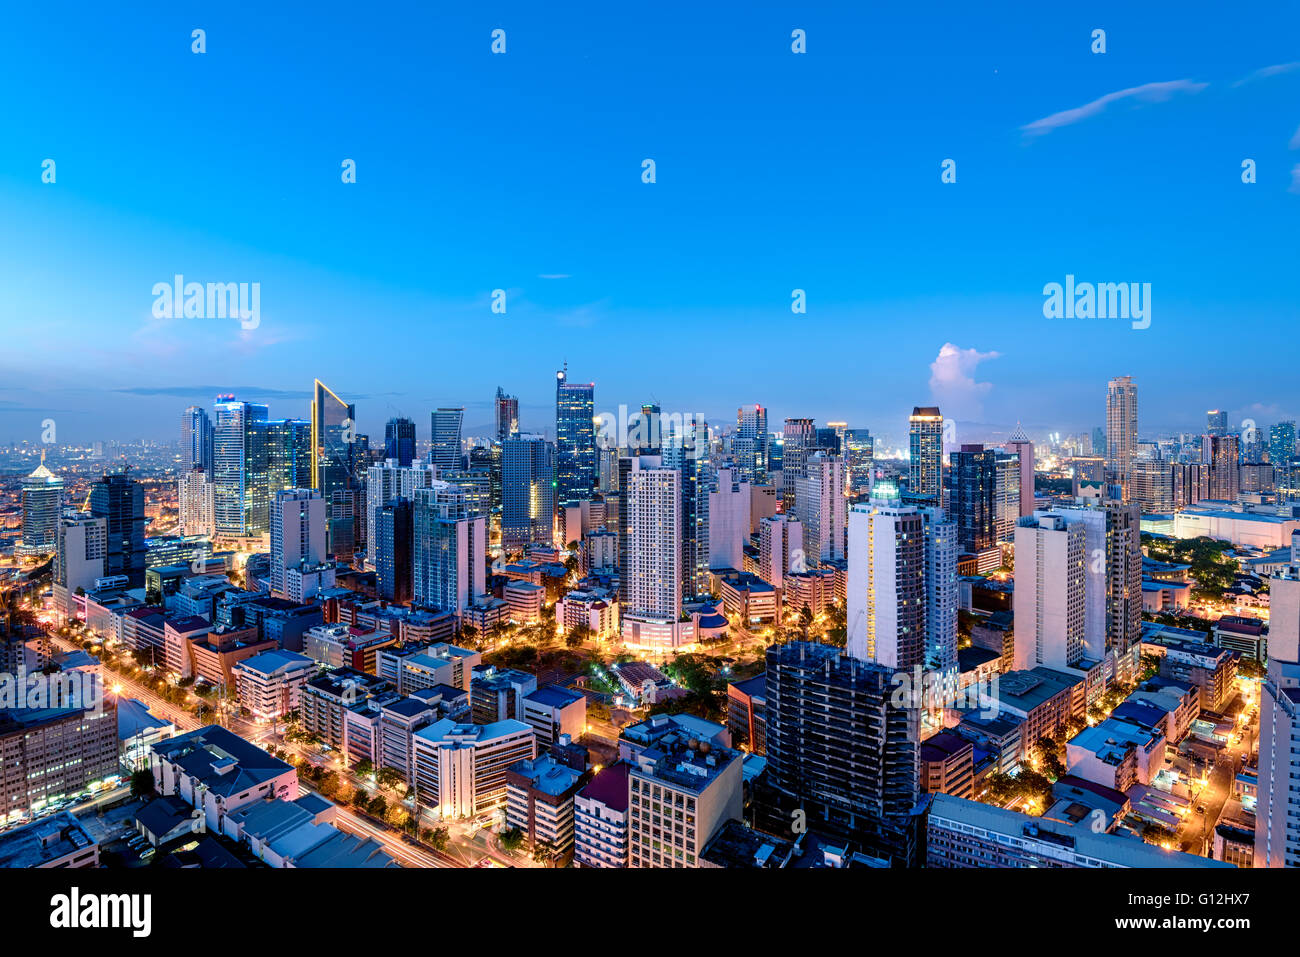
(527,490)
(399,441)
(575,438)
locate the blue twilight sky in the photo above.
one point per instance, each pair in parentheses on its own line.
(522,172)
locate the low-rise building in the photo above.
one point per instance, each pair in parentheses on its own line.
(269,685)
(600,819)
(540,802)
(460,769)
(553,711)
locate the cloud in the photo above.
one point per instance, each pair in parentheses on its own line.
(1295,179)
(189,391)
(554,275)
(1263,73)
(1295,140)
(952,381)
(1147,93)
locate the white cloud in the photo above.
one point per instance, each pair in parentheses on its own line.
(1295,179)
(1276,70)
(1147,93)
(952,381)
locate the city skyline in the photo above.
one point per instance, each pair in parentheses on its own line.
(612,274)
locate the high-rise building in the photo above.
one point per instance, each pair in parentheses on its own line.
(196,439)
(1123,585)
(798,440)
(119,500)
(1050,598)
(392,548)
(450,548)
(399,441)
(749,447)
(729,519)
(196,503)
(1152,485)
(82,549)
(688,457)
(1281,444)
(1216,422)
(859,460)
(1222,453)
(444,436)
(653,586)
(838,750)
(240,498)
(507,415)
(333,433)
(575,438)
(1121,428)
(1023,448)
(820,506)
(941,551)
(1008,495)
(1277,836)
(974,497)
(886,581)
(527,490)
(925,446)
(298,523)
(42,500)
(780,548)
(286,445)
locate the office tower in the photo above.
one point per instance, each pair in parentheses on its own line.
(831,438)
(1277,837)
(1216,422)
(1098,441)
(238,467)
(1191,483)
(797,443)
(389,481)
(298,522)
(399,441)
(527,490)
(1008,496)
(729,519)
(1121,428)
(1222,453)
(1152,486)
(119,500)
(333,432)
(1281,444)
(925,444)
(780,548)
(644,431)
(1024,449)
(195,503)
(749,447)
(507,415)
(653,587)
(444,435)
(286,444)
(196,439)
(941,550)
(393,556)
(82,549)
(819,503)
(1050,601)
(1123,584)
(476,482)
(974,497)
(886,581)
(688,457)
(42,500)
(838,750)
(53,753)
(628,464)
(449,546)
(575,438)
(859,460)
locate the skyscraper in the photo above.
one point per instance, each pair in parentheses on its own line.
(196,439)
(688,458)
(780,548)
(527,490)
(859,460)
(820,506)
(1216,422)
(798,440)
(1123,585)
(195,503)
(1121,428)
(119,500)
(449,547)
(653,587)
(392,547)
(399,441)
(749,447)
(42,499)
(974,494)
(240,498)
(1277,838)
(839,750)
(1023,448)
(1222,453)
(1050,600)
(925,446)
(575,438)
(1281,443)
(729,519)
(1008,494)
(507,415)
(445,448)
(886,581)
(333,431)
(298,523)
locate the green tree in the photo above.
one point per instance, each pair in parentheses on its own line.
(511,839)
(142,783)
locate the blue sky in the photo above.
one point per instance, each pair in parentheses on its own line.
(522,171)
